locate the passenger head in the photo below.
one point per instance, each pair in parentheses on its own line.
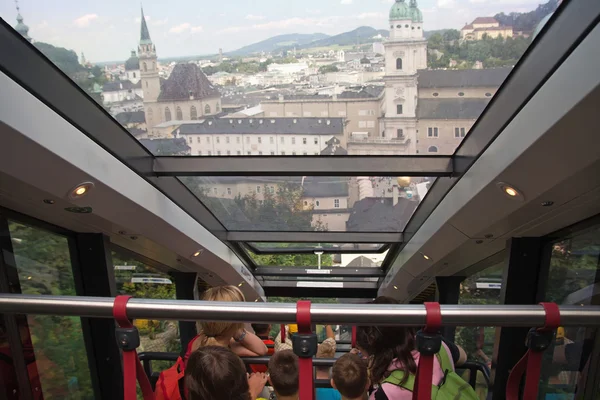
(215,372)
(283,373)
(325,350)
(386,343)
(350,377)
(261,329)
(213,329)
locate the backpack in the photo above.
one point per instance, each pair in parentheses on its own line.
(452,385)
(170,383)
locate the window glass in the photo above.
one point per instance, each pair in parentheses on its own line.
(143,281)
(43,267)
(479,341)
(572,280)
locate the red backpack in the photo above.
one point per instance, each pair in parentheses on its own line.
(170,384)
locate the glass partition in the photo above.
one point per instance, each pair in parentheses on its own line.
(53,346)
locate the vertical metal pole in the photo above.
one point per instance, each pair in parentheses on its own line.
(185,285)
(9,283)
(448,292)
(521,277)
(93,272)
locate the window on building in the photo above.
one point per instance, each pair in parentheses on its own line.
(249,153)
(293,153)
(193,113)
(260,153)
(316,140)
(432,149)
(399,109)
(283,153)
(218,139)
(304,141)
(228,152)
(134,75)
(237,140)
(145,67)
(150,114)
(362,112)
(336,203)
(179,114)
(305,203)
(362,124)
(227,139)
(293,140)
(257,189)
(214,190)
(167,114)
(218,152)
(210,153)
(239,153)
(199,152)
(370,124)
(459,132)
(317,203)
(207,109)
(218,107)
(432,132)
(272,153)
(259,139)
(247,139)
(271,140)
(341,113)
(399,133)
(198,139)
(282,140)
(208,139)
(190,139)
(229,191)
(398,63)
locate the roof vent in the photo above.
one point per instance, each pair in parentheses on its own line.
(272,121)
(210,122)
(260,121)
(319,121)
(239,121)
(231,121)
(328,122)
(250,121)
(295,120)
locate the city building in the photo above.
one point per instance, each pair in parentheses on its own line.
(132,68)
(121,91)
(327,199)
(185,95)
(485,26)
(21,27)
(259,136)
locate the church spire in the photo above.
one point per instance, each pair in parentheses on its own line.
(145,34)
(21,27)
(413,3)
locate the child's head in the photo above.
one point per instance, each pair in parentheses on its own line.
(325,350)
(215,372)
(212,329)
(350,377)
(261,329)
(283,373)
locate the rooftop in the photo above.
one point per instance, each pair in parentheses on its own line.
(115,86)
(187,80)
(380,215)
(131,117)
(268,126)
(325,186)
(451,108)
(166,146)
(485,20)
(440,78)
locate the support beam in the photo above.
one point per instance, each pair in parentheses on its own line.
(448,292)
(314,237)
(414,165)
(185,289)
(93,273)
(324,272)
(519,286)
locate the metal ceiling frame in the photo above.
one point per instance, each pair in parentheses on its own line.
(329,272)
(33,71)
(417,165)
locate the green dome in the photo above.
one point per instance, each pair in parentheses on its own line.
(133,63)
(400,10)
(415,14)
(22,28)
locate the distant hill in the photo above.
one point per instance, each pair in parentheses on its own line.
(361,35)
(527,22)
(64,59)
(278,42)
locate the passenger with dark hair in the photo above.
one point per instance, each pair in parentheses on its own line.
(284,374)
(350,377)
(262,331)
(216,373)
(393,348)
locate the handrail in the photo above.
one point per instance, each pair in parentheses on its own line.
(352,314)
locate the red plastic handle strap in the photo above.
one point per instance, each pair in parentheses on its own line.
(282,331)
(353,336)
(132,367)
(530,364)
(424,375)
(306,382)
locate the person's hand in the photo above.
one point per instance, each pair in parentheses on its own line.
(257,382)
(354,351)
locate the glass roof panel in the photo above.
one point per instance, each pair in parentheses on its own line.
(311,203)
(378,79)
(314,248)
(314,264)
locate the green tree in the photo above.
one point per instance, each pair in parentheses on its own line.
(435,42)
(328,68)
(450,35)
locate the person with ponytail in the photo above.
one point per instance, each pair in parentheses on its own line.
(391,348)
(227,334)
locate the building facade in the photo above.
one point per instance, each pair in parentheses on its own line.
(485,27)
(186,94)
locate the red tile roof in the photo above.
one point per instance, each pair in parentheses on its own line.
(485,20)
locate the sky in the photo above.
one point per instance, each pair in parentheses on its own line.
(107,30)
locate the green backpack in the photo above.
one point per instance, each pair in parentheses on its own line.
(452,385)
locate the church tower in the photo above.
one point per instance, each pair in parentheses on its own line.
(148,67)
(405,54)
(21,27)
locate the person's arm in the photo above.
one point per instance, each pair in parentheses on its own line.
(257,383)
(329,331)
(459,356)
(246,344)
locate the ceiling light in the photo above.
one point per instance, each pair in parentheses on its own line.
(547,203)
(29,278)
(425,256)
(196,254)
(256,301)
(80,190)
(241,283)
(395,287)
(510,191)
(79,210)
(49,201)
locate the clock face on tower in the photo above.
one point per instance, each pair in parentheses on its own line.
(399,91)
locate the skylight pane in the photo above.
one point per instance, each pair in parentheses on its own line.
(299,79)
(338,204)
